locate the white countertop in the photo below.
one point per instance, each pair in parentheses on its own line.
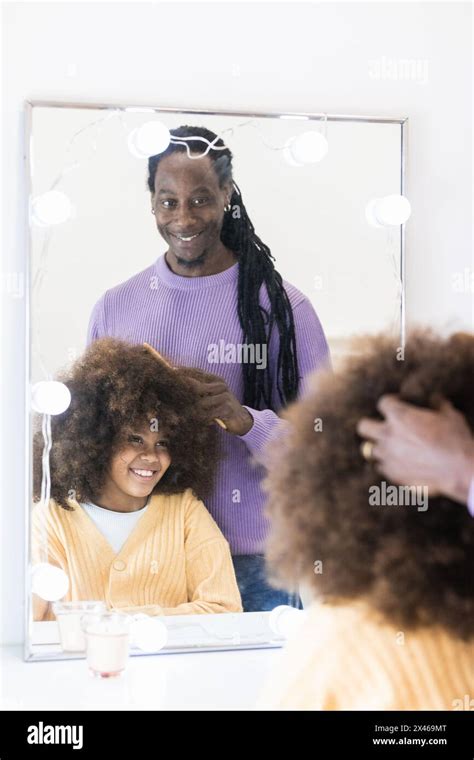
(228,680)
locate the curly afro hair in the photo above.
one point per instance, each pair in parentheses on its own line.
(414,567)
(116,386)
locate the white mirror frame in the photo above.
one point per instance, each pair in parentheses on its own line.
(214,640)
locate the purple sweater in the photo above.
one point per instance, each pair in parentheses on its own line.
(182,317)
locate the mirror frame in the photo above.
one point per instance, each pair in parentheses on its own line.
(29,655)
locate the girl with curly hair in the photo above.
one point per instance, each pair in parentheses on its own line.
(391,625)
(131,459)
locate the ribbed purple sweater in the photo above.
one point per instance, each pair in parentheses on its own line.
(182,317)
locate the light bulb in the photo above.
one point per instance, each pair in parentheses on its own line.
(389,211)
(285,620)
(370,214)
(307,148)
(288,155)
(149,139)
(50,397)
(51,208)
(148,633)
(393,210)
(49,582)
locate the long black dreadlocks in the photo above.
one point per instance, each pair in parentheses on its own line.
(255,267)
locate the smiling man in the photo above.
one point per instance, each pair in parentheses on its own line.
(217,283)
(192,230)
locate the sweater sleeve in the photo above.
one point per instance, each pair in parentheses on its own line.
(211,581)
(96,328)
(470,499)
(45,547)
(312,354)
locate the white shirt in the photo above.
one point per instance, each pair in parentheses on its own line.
(114,526)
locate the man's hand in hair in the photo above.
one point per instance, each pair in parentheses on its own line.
(217,401)
(413,446)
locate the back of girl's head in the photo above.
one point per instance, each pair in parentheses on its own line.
(115,386)
(412,563)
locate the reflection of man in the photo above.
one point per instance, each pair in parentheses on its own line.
(423,447)
(216,285)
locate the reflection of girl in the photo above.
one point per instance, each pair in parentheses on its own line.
(217,286)
(127,460)
(395,629)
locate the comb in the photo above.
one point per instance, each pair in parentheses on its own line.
(160,358)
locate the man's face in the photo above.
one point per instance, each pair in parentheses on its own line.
(189,203)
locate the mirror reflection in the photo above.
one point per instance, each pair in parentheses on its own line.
(190,273)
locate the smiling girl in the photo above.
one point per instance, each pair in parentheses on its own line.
(131,459)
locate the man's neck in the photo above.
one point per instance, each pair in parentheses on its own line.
(213,263)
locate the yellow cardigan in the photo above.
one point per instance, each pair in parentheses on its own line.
(345,658)
(176,561)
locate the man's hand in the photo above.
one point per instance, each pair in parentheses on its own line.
(218,401)
(414,446)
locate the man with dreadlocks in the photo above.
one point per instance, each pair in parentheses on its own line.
(216,286)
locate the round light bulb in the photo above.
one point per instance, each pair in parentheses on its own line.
(288,155)
(393,210)
(49,582)
(148,633)
(53,207)
(50,397)
(389,211)
(285,620)
(149,139)
(307,148)
(370,213)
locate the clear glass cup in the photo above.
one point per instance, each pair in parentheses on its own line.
(107,642)
(69,615)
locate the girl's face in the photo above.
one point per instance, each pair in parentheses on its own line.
(135,470)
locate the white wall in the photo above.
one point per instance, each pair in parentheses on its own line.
(274,57)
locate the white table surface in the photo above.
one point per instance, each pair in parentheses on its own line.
(229,680)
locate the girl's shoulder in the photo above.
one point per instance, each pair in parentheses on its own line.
(51,510)
(184,506)
(183,499)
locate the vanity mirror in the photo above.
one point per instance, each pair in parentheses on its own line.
(143,232)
